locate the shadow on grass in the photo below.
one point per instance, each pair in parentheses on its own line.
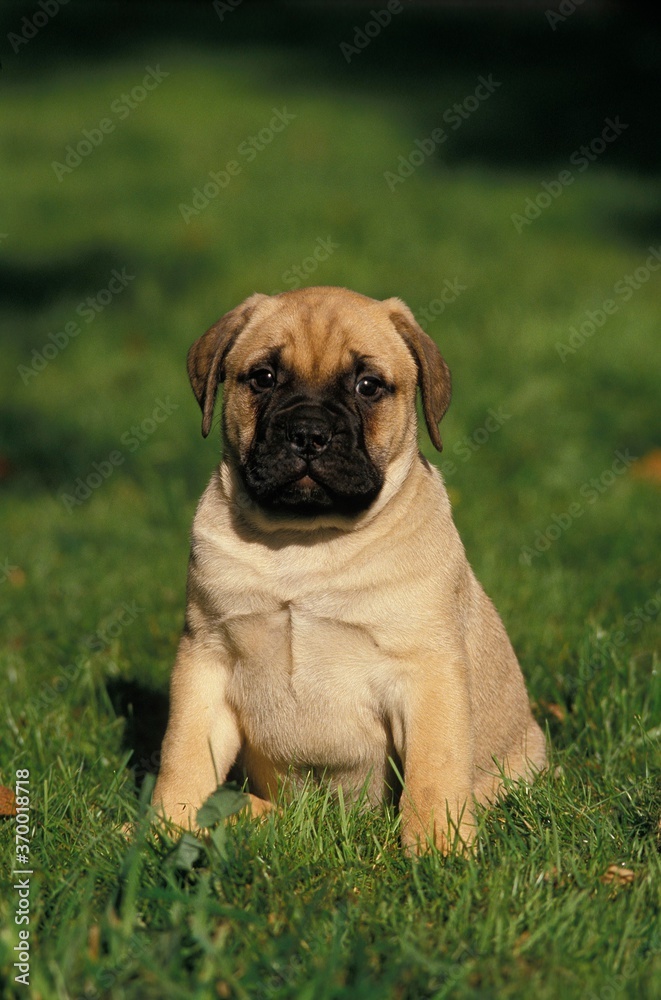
(35,285)
(145,712)
(45,455)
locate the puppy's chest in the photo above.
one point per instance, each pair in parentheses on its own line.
(306,687)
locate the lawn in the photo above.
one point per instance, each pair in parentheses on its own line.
(109,268)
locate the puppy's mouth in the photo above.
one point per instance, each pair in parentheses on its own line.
(306,494)
(308,491)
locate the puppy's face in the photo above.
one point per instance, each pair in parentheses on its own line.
(319,395)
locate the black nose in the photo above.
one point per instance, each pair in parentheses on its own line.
(308,435)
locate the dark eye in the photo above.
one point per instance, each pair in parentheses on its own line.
(369,386)
(261,379)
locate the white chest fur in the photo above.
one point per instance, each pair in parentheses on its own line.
(315,661)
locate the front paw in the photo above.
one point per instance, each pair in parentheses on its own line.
(175,808)
(260,807)
(453,836)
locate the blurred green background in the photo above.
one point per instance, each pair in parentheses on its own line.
(115,117)
(522,285)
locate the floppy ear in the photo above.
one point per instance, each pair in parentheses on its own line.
(206,358)
(433,373)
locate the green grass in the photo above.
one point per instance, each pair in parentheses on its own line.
(318,902)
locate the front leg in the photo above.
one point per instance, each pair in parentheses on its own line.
(438,759)
(202,739)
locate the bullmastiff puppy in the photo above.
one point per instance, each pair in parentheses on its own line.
(334,626)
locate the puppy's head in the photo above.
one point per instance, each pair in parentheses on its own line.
(319,396)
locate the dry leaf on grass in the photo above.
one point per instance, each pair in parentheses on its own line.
(555,878)
(17,577)
(648,467)
(93,942)
(557,711)
(617,875)
(7,801)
